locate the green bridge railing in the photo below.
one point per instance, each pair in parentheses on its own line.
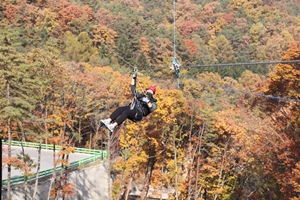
(96,154)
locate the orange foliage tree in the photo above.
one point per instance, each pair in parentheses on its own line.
(145,46)
(11,12)
(102,34)
(72,14)
(104,17)
(284,82)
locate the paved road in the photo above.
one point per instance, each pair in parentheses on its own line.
(46,159)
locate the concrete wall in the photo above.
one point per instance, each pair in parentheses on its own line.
(91,184)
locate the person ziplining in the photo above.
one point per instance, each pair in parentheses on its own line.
(176,66)
(141,106)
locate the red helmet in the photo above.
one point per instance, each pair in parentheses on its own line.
(152,88)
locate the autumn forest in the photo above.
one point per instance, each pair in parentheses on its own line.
(227,132)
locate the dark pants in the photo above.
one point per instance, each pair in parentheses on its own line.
(123,113)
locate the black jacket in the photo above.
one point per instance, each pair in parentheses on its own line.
(141,102)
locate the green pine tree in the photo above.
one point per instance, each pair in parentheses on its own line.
(124,50)
(86,47)
(19,89)
(79,49)
(142,62)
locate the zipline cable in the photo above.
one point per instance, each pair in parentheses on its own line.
(228,88)
(247,63)
(231,64)
(242,91)
(236,64)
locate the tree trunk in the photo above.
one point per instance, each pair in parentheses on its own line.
(123,168)
(148,175)
(191,160)
(54,172)
(45,123)
(90,146)
(65,177)
(63,158)
(108,163)
(79,130)
(40,151)
(26,191)
(128,188)
(96,130)
(221,170)
(199,145)
(37,171)
(175,163)
(9,156)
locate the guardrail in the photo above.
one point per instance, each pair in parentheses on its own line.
(96,155)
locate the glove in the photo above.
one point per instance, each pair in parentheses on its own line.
(149,96)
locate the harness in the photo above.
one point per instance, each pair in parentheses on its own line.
(136,104)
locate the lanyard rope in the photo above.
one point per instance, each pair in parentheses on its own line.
(174,15)
(175,62)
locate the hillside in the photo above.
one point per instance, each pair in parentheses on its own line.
(227,132)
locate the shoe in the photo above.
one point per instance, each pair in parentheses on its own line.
(106,122)
(111,127)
